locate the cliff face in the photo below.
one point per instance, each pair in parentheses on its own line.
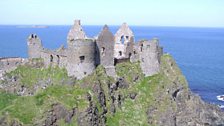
(163,99)
(182,107)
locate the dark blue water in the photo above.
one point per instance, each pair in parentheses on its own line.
(199,52)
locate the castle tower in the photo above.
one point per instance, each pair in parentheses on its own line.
(34,46)
(76,32)
(105,51)
(105,47)
(150,54)
(124,41)
(80,53)
(81,58)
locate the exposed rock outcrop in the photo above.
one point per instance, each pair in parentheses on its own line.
(99,100)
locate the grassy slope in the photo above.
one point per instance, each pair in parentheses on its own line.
(31,109)
(133,112)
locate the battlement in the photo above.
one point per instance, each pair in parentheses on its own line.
(34,39)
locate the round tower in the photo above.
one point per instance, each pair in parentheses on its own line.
(81,57)
(34,46)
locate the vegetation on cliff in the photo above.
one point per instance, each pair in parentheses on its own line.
(132,99)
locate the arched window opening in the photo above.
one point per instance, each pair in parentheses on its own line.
(129,55)
(58,59)
(103,51)
(127,37)
(82,59)
(51,58)
(122,39)
(141,47)
(120,53)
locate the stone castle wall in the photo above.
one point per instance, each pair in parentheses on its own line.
(124,40)
(82,55)
(81,58)
(34,46)
(105,51)
(9,64)
(54,58)
(150,57)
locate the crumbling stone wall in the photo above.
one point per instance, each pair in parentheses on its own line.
(124,34)
(135,54)
(81,57)
(54,58)
(34,46)
(124,40)
(129,48)
(105,50)
(150,57)
(9,64)
(76,32)
(105,47)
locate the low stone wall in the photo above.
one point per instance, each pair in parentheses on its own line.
(9,63)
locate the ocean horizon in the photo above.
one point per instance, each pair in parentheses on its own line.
(198,51)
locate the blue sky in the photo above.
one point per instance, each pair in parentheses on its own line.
(199,13)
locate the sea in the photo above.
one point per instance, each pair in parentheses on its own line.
(199,52)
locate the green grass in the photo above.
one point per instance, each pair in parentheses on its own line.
(129,71)
(29,108)
(150,90)
(151,93)
(29,76)
(24,109)
(6,99)
(133,112)
(69,96)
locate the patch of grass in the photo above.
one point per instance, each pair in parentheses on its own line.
(151,92)
(69,96)
(29,108)
(6,99)
(133,112)
(129,71)
(24,109)
(29,76)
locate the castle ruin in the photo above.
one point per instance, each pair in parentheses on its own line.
(83,54)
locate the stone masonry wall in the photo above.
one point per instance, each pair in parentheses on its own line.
(82,55)
(9,64)
(124,39)
(34,46)
(76,32)
(105,50)
(81,58)
(150,57)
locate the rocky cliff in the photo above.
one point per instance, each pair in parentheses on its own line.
(34,95)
